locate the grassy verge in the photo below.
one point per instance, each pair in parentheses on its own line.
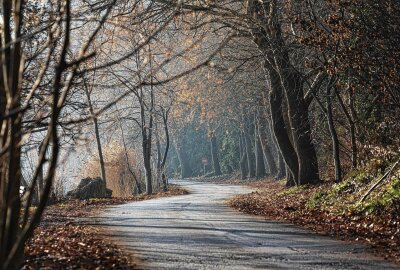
(60,242)
(335,209)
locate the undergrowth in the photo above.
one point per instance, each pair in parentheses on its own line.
(345,197)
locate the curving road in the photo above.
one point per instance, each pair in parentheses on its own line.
(197,231)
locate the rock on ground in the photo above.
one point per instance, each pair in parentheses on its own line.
(90,188)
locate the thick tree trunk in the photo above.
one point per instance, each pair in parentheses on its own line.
(11,132)
(299,122)
(332,130)
(284,80)
(278,124)
(243,157)
(214,155)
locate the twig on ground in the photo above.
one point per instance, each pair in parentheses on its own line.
(388,172)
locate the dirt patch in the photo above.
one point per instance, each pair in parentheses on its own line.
(60,242)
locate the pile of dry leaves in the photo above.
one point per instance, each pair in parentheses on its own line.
(60,242)
(380,231)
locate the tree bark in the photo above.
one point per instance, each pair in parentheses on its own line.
(40,176)
(332,130)
(299,122)
(11,132)
(281,166)
(164,160)
(243,157)
(278,124)
(214,155)
(259,153)
(146,141)
(350,119)
(266,143)
(147,130)
(290,180)
(354,150)
(97,135)
(159,170)
(135,178)
(249,152)
(285,81)
(186,170)
(147,166)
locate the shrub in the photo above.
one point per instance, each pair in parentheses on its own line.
(121,169)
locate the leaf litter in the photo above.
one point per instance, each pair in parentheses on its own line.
(338,216)
(62,242)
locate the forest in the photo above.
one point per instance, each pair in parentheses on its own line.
(134,94)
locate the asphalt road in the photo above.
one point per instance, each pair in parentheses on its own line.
(197,231)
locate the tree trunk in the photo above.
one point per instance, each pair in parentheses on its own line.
(159,169)
(40,176)
(214,156)
(135,178)
(97,135)
(299,122)
(147,166)
(147,140)
(266,143)
(354,151)
(147,130)
(259,155)
(243,157)
(164,160)
(290,180)
(350,119)
(281,166)
(284,80)
(332,130)
(186,170)
(249,153)
(11,132)
(278,124)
